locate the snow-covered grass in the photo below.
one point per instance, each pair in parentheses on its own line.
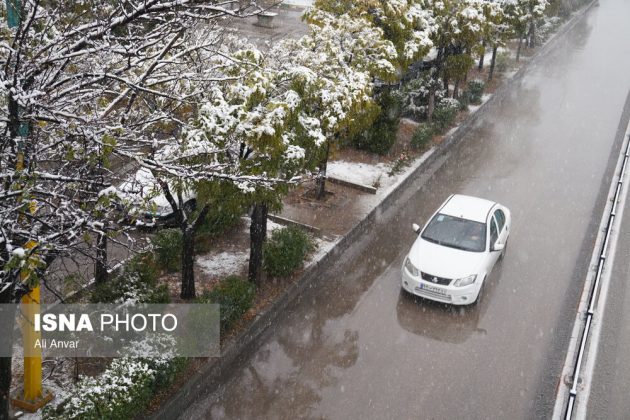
(223,264)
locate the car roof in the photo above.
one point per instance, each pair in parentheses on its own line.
(467,207)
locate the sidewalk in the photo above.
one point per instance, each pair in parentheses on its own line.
(286,23)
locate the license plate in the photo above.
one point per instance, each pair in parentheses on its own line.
(430,288)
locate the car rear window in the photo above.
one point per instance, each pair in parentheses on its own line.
(455,232)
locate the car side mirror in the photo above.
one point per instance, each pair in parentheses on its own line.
(416,228)
(498,246)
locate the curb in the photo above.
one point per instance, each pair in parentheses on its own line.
(288,222)
(212,373)
(359,187)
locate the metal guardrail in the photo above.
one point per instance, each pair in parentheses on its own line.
(595,288)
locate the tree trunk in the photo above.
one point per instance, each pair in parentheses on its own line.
(431,106)
(456,89)
(492,62)
(532,34)
(257,234)
(188,262)
(483,55)
(5,386)
(100,267)
(518,50)
(6,343)
(321,177)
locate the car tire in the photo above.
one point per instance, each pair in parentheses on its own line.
(190,205)
(481,293)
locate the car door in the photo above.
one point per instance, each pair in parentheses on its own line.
(500,218)
(494,235)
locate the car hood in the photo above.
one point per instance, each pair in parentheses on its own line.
(443,261)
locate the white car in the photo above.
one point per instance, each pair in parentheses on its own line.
(456,250)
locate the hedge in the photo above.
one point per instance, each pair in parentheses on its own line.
(285,251)
(234,295)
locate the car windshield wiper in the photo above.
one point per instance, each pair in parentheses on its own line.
(463,248)
(435,241)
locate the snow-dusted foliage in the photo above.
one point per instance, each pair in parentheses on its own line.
(334,68)
(405,23)
(495,28)
(278,108)
(121,391)
(85,87)
(414,96)
(522,14)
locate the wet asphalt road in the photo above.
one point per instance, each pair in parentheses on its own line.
(356,347)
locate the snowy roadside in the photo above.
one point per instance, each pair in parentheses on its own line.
(221,263)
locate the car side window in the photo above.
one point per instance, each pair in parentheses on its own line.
(500,218)
(494,233)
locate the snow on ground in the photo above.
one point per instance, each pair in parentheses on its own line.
(58,377)
(510,73)
(222,264)
(359,173)
(323,246)
(303,3)
(487,58)
(271,226)
(484,98)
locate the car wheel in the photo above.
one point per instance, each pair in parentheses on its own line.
(190,205)
(481,292)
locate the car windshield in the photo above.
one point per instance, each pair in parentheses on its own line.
(455,232)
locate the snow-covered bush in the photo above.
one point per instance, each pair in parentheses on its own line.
(545,27)
(285,251)
(121,392)
(445,113)
(414,96)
